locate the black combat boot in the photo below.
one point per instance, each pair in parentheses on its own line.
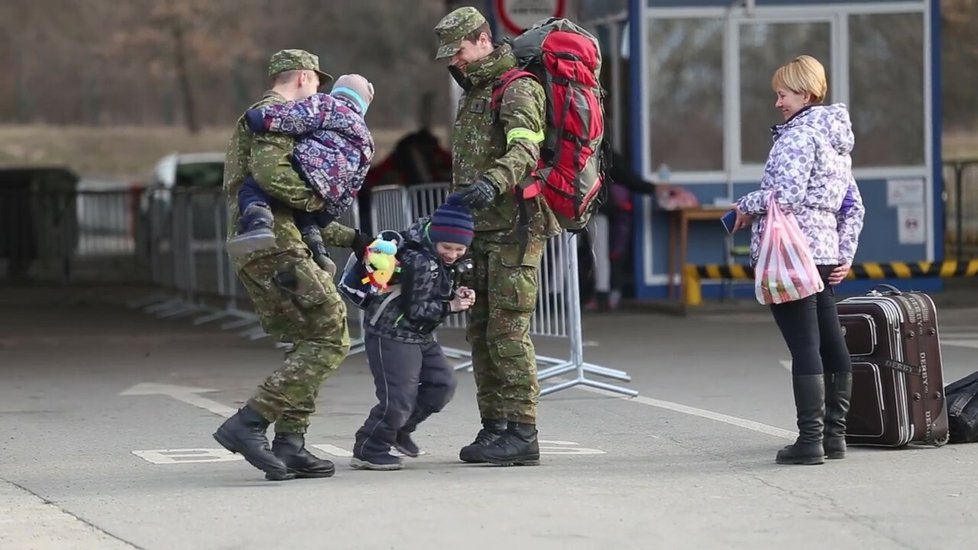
(291,449)
(810,406)
(491,430)
(838,392)
(517,447)
(244,433)
(403,443)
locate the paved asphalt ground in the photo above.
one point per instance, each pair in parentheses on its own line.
(106,415)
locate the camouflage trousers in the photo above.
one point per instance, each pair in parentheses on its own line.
(503,357)
(297,303)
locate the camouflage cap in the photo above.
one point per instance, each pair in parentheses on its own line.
(296,60)
(453,27)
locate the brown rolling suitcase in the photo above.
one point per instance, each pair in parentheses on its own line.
(897,379)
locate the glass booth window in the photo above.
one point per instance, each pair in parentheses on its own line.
(763,48)
(686,93)
(887,89)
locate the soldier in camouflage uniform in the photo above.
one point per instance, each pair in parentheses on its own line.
(295,299)
(492,154)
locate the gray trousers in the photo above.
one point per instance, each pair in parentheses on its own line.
(412,382)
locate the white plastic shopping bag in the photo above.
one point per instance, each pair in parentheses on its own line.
(785,269)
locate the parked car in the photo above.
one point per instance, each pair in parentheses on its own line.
(171,177)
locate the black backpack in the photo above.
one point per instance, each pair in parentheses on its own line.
(962,408)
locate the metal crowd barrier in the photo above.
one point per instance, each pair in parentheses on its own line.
(558,311)
(68,235)
(183,239)
(182,234)
(961,197)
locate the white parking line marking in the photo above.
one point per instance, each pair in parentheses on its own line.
(566,448)
(184,456)
(186,394)
(196,456)
(702,413)
(960,343)
(333,450)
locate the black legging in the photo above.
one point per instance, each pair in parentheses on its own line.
(811,329)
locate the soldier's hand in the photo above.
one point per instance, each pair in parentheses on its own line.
(479,194)
(360,243)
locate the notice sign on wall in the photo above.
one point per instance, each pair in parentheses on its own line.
(908,192)
(519,15)
(907,196)
(912,225)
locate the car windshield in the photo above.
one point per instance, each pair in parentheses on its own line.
(200,174)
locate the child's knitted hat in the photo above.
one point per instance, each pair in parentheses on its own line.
(452,223)
(356,88)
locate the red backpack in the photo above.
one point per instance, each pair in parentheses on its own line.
(566,60)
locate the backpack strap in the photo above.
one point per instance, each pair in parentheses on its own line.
(502,83)
(394,293)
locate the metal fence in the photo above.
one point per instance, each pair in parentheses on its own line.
(175,239)
(961,208)
(185,245)
(558,311)
(69,236)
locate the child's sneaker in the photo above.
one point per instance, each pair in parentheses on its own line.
(406,446)
(384,461)
(254,231)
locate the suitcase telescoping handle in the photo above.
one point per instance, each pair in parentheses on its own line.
(885,290)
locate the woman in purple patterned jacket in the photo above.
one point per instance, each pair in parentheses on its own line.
(809,173)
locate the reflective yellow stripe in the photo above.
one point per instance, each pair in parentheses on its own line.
(523,133)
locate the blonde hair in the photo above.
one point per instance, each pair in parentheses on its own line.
(803,75)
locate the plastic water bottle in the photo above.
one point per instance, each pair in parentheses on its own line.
(664,173)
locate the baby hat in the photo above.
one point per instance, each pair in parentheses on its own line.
(356,88)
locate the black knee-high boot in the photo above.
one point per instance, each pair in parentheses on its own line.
(838,392)
(809,392)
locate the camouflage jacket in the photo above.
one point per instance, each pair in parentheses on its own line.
(426,287)
(268,158)
(501,147)
(333,147)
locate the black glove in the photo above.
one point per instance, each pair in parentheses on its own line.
(479,194)
(360,243)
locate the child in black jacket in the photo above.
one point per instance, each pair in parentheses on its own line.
(413,379)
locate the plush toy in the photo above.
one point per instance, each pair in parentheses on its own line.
(381,263)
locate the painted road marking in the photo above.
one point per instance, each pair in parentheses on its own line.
(702,413)
(333,450)
(185,456)
(186,394)
(197,456)
(548,447)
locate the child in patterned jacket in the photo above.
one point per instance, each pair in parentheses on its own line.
(332,154)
